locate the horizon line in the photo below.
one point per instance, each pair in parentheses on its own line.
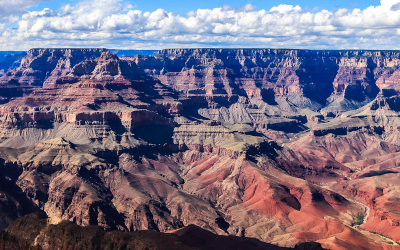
(193,48)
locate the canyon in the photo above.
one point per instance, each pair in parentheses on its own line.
(285,146)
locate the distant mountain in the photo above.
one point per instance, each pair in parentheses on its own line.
(10,60)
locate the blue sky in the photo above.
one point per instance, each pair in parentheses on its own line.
(189,5)
(157,24)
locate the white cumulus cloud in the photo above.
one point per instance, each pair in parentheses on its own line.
(112,23)
(13,7)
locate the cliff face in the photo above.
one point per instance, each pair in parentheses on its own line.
(330,78)
(41,67)
(242,72)
(284,146)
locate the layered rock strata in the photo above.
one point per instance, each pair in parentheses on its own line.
(285,146)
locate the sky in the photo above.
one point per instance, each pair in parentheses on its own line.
(158,24)
(182,7)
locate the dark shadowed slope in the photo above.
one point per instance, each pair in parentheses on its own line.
(36,232)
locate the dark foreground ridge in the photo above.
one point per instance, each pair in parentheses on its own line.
(34,232)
